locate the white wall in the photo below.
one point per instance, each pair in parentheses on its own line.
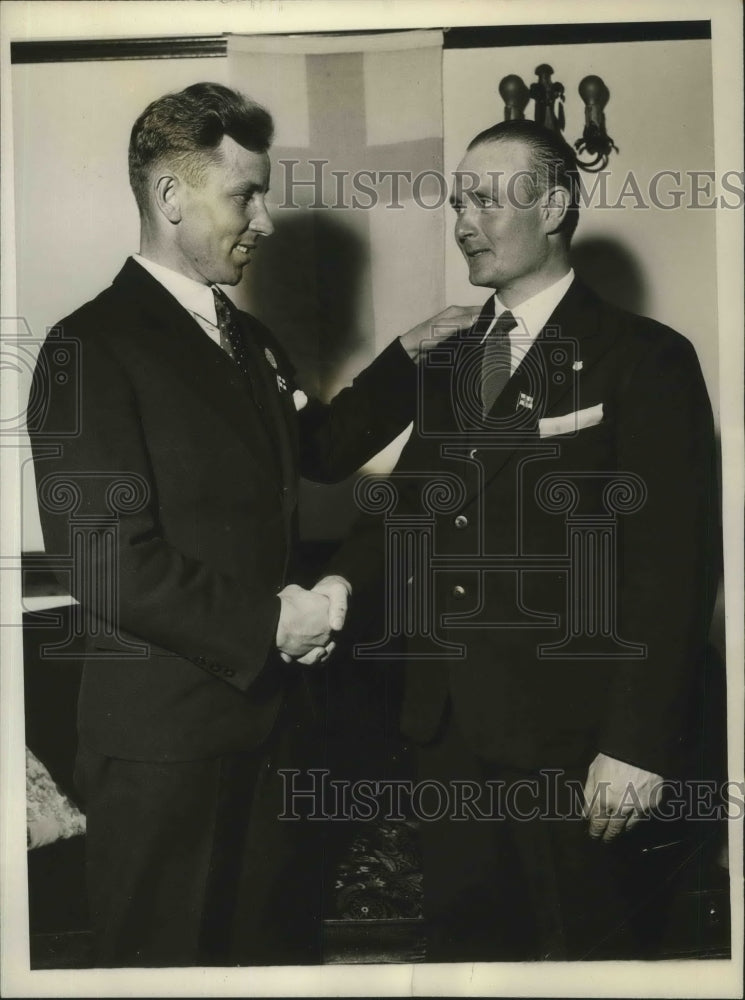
(659,263)
(75,214)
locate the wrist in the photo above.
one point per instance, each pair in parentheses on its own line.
(411,341)
(283,632)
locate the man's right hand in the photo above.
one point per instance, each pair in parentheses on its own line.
(303,621)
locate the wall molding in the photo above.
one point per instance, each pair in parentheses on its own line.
(503,36)
(178,47)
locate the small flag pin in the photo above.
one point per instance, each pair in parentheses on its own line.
(525,400)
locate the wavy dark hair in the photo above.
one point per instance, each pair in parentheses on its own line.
(185,129)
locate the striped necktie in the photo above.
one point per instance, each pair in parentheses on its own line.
(496,361)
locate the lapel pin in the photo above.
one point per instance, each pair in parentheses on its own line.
(270,358)
(525,400)
(577,366)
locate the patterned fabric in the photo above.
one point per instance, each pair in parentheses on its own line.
(380,875)
(495,361)
(232,342)
(50,815)
(228,334)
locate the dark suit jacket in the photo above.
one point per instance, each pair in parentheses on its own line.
(154,434)
(535,681)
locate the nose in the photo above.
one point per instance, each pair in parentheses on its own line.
(261,221)
(464,223)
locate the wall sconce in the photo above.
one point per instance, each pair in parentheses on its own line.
(595,141)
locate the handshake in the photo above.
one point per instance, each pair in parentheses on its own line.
(309,617)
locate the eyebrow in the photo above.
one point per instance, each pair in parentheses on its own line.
(250,187)
(474,194)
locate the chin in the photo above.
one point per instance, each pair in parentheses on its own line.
(231,278)
(485,280)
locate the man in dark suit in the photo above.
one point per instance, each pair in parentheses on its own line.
(561,478)
(174,493)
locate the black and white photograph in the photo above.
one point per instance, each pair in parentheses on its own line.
(372,536)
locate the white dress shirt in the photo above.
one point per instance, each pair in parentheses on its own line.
(531,316)
(195,297)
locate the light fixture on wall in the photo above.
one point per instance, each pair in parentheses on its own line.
(545,92)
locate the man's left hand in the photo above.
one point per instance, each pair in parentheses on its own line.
(338,590)
(617,796)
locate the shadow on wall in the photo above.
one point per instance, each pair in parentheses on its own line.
(612,271)
(310,283)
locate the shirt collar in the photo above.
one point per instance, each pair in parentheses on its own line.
(534,312)
(192,295)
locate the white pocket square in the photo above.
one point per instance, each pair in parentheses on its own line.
(570,423)
(299,399)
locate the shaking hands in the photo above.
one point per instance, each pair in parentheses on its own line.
(309,618)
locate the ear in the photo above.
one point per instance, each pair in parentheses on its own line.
(167,192)
(556,204)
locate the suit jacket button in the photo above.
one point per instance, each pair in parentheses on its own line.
(229,672)
(461,521)
(459,591)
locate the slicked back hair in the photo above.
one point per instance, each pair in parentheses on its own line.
(184,130)
(552,162)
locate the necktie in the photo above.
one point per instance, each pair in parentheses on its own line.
(495,361)
(229,336)
(231,340)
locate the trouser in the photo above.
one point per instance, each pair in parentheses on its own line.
(188,864)
(526,884)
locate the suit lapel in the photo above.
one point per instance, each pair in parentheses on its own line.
(275,385)
(175,340)
(562,354)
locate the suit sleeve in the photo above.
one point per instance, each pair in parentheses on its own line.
(339,437)
(160,594)
(668,554)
